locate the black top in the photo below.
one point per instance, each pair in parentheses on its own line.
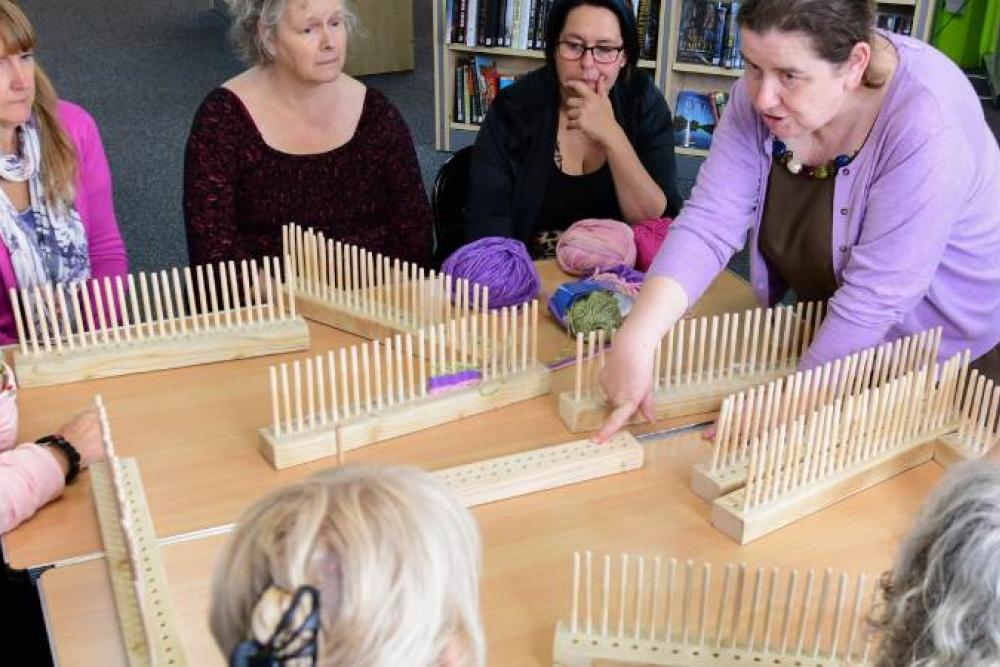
(796,232)
(513,156)
(571,198)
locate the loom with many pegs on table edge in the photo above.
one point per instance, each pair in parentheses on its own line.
(138,579)
(751,412)
(366,393)
(655,611)
(114,326)
(812,460)
(699,362)
(369,294)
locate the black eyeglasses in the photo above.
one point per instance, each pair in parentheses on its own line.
(602,54)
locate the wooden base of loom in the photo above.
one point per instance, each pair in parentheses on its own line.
(950,451)
(710,485)
(360,323)
(728,516)
(393,421)
(589,413)
(583,650)
(160,353)
(166,644)
(541,469)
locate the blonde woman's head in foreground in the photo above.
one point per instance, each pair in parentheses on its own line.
(942,600)
(393,555)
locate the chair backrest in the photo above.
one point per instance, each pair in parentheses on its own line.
(448,204)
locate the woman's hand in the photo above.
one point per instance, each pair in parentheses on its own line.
(590,112)
(84,433)
(627,380)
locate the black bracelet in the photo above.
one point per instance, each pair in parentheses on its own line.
(73,456)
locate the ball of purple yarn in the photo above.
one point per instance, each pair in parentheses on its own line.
(501,264)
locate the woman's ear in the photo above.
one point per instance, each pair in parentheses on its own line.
(857,63)
(266,37)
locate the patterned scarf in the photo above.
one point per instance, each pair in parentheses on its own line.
(55,247)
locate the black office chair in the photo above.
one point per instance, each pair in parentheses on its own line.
(448,204)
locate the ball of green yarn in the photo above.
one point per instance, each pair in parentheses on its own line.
(597,310)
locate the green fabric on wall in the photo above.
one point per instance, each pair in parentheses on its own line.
(968,36)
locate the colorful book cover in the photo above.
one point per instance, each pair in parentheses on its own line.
(696,35)
(694,121)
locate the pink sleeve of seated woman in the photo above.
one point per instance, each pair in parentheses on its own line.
(29,475)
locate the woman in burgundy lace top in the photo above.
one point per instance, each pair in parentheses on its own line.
(294,139)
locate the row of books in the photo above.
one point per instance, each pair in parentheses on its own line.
(477,82)
(708,34)
(520,24)
(899,22)
(696,116)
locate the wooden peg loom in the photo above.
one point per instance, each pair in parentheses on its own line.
(129,324)
(839,449)
(369,294)
(758,409)
(142,597)
(699,362)
(541,469)
(649,610)
(366,393)
(978,422)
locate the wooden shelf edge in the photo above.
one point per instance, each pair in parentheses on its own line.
(713,70)
(497,51)
(691,152)
(466,127)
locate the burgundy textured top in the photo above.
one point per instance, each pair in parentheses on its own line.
(238,191)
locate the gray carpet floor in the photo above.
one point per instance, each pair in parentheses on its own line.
(141,69)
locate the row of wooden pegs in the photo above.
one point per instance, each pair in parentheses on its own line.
(374,285)
(338,385)
(654,605)
(112,310)
(763,407)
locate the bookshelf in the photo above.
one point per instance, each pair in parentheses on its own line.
(670,75)
(450,135)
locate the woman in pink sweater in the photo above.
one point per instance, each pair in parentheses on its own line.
(33,473)
(57,221)
(57,224)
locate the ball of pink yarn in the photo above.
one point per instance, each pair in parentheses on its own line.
(649,236)
(592,244)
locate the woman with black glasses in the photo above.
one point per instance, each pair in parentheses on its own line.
(585,136)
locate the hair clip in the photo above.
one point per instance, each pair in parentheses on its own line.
(286,643)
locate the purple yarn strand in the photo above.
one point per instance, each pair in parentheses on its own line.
(501,264)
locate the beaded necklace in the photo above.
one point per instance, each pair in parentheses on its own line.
(784,155)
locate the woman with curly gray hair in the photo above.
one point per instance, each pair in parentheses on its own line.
(296,139)
(942,600)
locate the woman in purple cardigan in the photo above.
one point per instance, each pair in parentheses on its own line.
(57,222)
(861,166)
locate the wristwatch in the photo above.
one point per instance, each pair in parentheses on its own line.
(73,456)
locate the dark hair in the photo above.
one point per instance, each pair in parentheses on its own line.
(626,21)
(834,26)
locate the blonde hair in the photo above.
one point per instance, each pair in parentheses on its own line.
(255,20)
(58,154)
(394,556)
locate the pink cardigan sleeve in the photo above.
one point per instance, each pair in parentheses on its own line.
(29,475)
(93,193)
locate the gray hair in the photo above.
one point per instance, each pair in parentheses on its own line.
(255,20)
(942,601)
(396,559)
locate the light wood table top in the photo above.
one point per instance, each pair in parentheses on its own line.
(195,483)
(528,550)
(194,433)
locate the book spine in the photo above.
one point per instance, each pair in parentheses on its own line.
(482,24)
(471,23)
(720,25)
